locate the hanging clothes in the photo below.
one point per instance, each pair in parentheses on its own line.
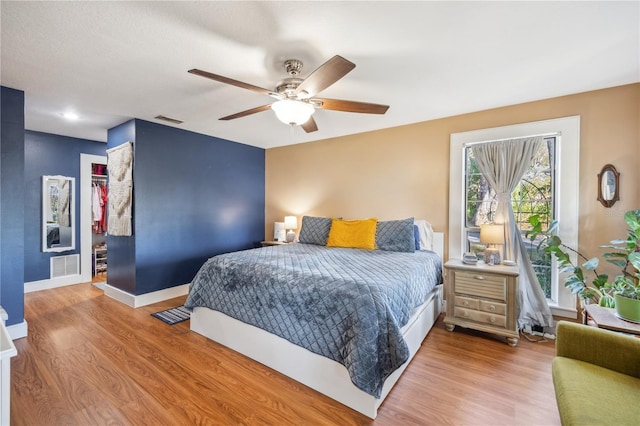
(103,219)
(99,206)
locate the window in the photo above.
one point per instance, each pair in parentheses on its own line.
(533,195)
(566,131)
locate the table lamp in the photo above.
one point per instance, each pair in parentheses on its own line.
(492,235)
(291,223)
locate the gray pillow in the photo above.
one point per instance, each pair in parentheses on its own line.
(315,230)
(396,235)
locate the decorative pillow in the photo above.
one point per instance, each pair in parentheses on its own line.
(353,233)
(396,235)
(426,234)
(315,230)
(416,236)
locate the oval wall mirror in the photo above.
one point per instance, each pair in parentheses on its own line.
(608,186)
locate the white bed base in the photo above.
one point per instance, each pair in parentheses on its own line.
(318,372)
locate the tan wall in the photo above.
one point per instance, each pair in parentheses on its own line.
(404,171)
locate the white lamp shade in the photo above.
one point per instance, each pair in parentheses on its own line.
(292,112)
(290,222)
(492,234)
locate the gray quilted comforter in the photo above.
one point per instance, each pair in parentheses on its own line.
(345,304)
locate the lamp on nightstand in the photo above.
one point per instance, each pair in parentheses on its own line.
(290,223)
(492,235)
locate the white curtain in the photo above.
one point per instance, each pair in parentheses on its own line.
(503,163)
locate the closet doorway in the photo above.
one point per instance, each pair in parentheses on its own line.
(93,199)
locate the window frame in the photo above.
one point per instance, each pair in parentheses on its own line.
(467,229)
(567,132)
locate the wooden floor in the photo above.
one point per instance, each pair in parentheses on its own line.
(90,360)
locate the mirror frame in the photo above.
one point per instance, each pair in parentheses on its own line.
(616,193)
(72,213)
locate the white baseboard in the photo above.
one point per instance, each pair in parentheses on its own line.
(18,331)
(147,298)
(52,283)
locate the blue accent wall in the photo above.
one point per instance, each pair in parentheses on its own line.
(195,196)
(12,210)
(48,154)
(121,266)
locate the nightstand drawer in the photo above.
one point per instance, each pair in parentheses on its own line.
(467,302)
(493,307)
(480,284)
(478,316)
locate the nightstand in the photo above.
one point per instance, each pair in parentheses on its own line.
(272,243)
(482,297)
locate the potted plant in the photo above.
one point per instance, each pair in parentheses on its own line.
(623,291)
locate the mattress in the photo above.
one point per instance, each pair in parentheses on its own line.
(348,305)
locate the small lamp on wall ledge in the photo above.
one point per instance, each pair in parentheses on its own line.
(291,223)
(492,235)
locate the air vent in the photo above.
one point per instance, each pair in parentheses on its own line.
(169,119)
(65,265)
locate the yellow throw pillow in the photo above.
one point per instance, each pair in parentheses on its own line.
(353,233)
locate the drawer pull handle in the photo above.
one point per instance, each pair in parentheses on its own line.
(465,314)
(492,308)
(492,319)
(479,277)
(465,303)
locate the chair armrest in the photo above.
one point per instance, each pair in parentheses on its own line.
(604,348)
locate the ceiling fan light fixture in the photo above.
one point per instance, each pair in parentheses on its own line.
(291,112)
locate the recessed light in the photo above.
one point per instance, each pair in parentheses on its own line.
(70,115)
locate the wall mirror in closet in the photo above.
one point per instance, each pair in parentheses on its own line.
(58,213)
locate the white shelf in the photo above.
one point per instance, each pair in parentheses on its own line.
(99,261)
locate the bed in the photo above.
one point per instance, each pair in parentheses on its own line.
(343,321)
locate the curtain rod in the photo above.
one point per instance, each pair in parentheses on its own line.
(543,135)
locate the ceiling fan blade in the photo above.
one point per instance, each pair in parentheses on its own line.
(247,112)
(325,75)
(233,82)
(309,125)
(350,106)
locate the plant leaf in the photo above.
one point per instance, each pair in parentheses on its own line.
(579,274)
(601,280)
(591,264)
(618,262)
(632,218)
(615,254)
(634,258)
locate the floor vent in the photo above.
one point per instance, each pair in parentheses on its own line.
(65,265)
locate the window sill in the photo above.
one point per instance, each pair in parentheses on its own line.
(560,311)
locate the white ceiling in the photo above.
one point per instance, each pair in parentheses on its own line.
(113,61)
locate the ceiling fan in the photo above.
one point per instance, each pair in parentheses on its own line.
(296,103)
